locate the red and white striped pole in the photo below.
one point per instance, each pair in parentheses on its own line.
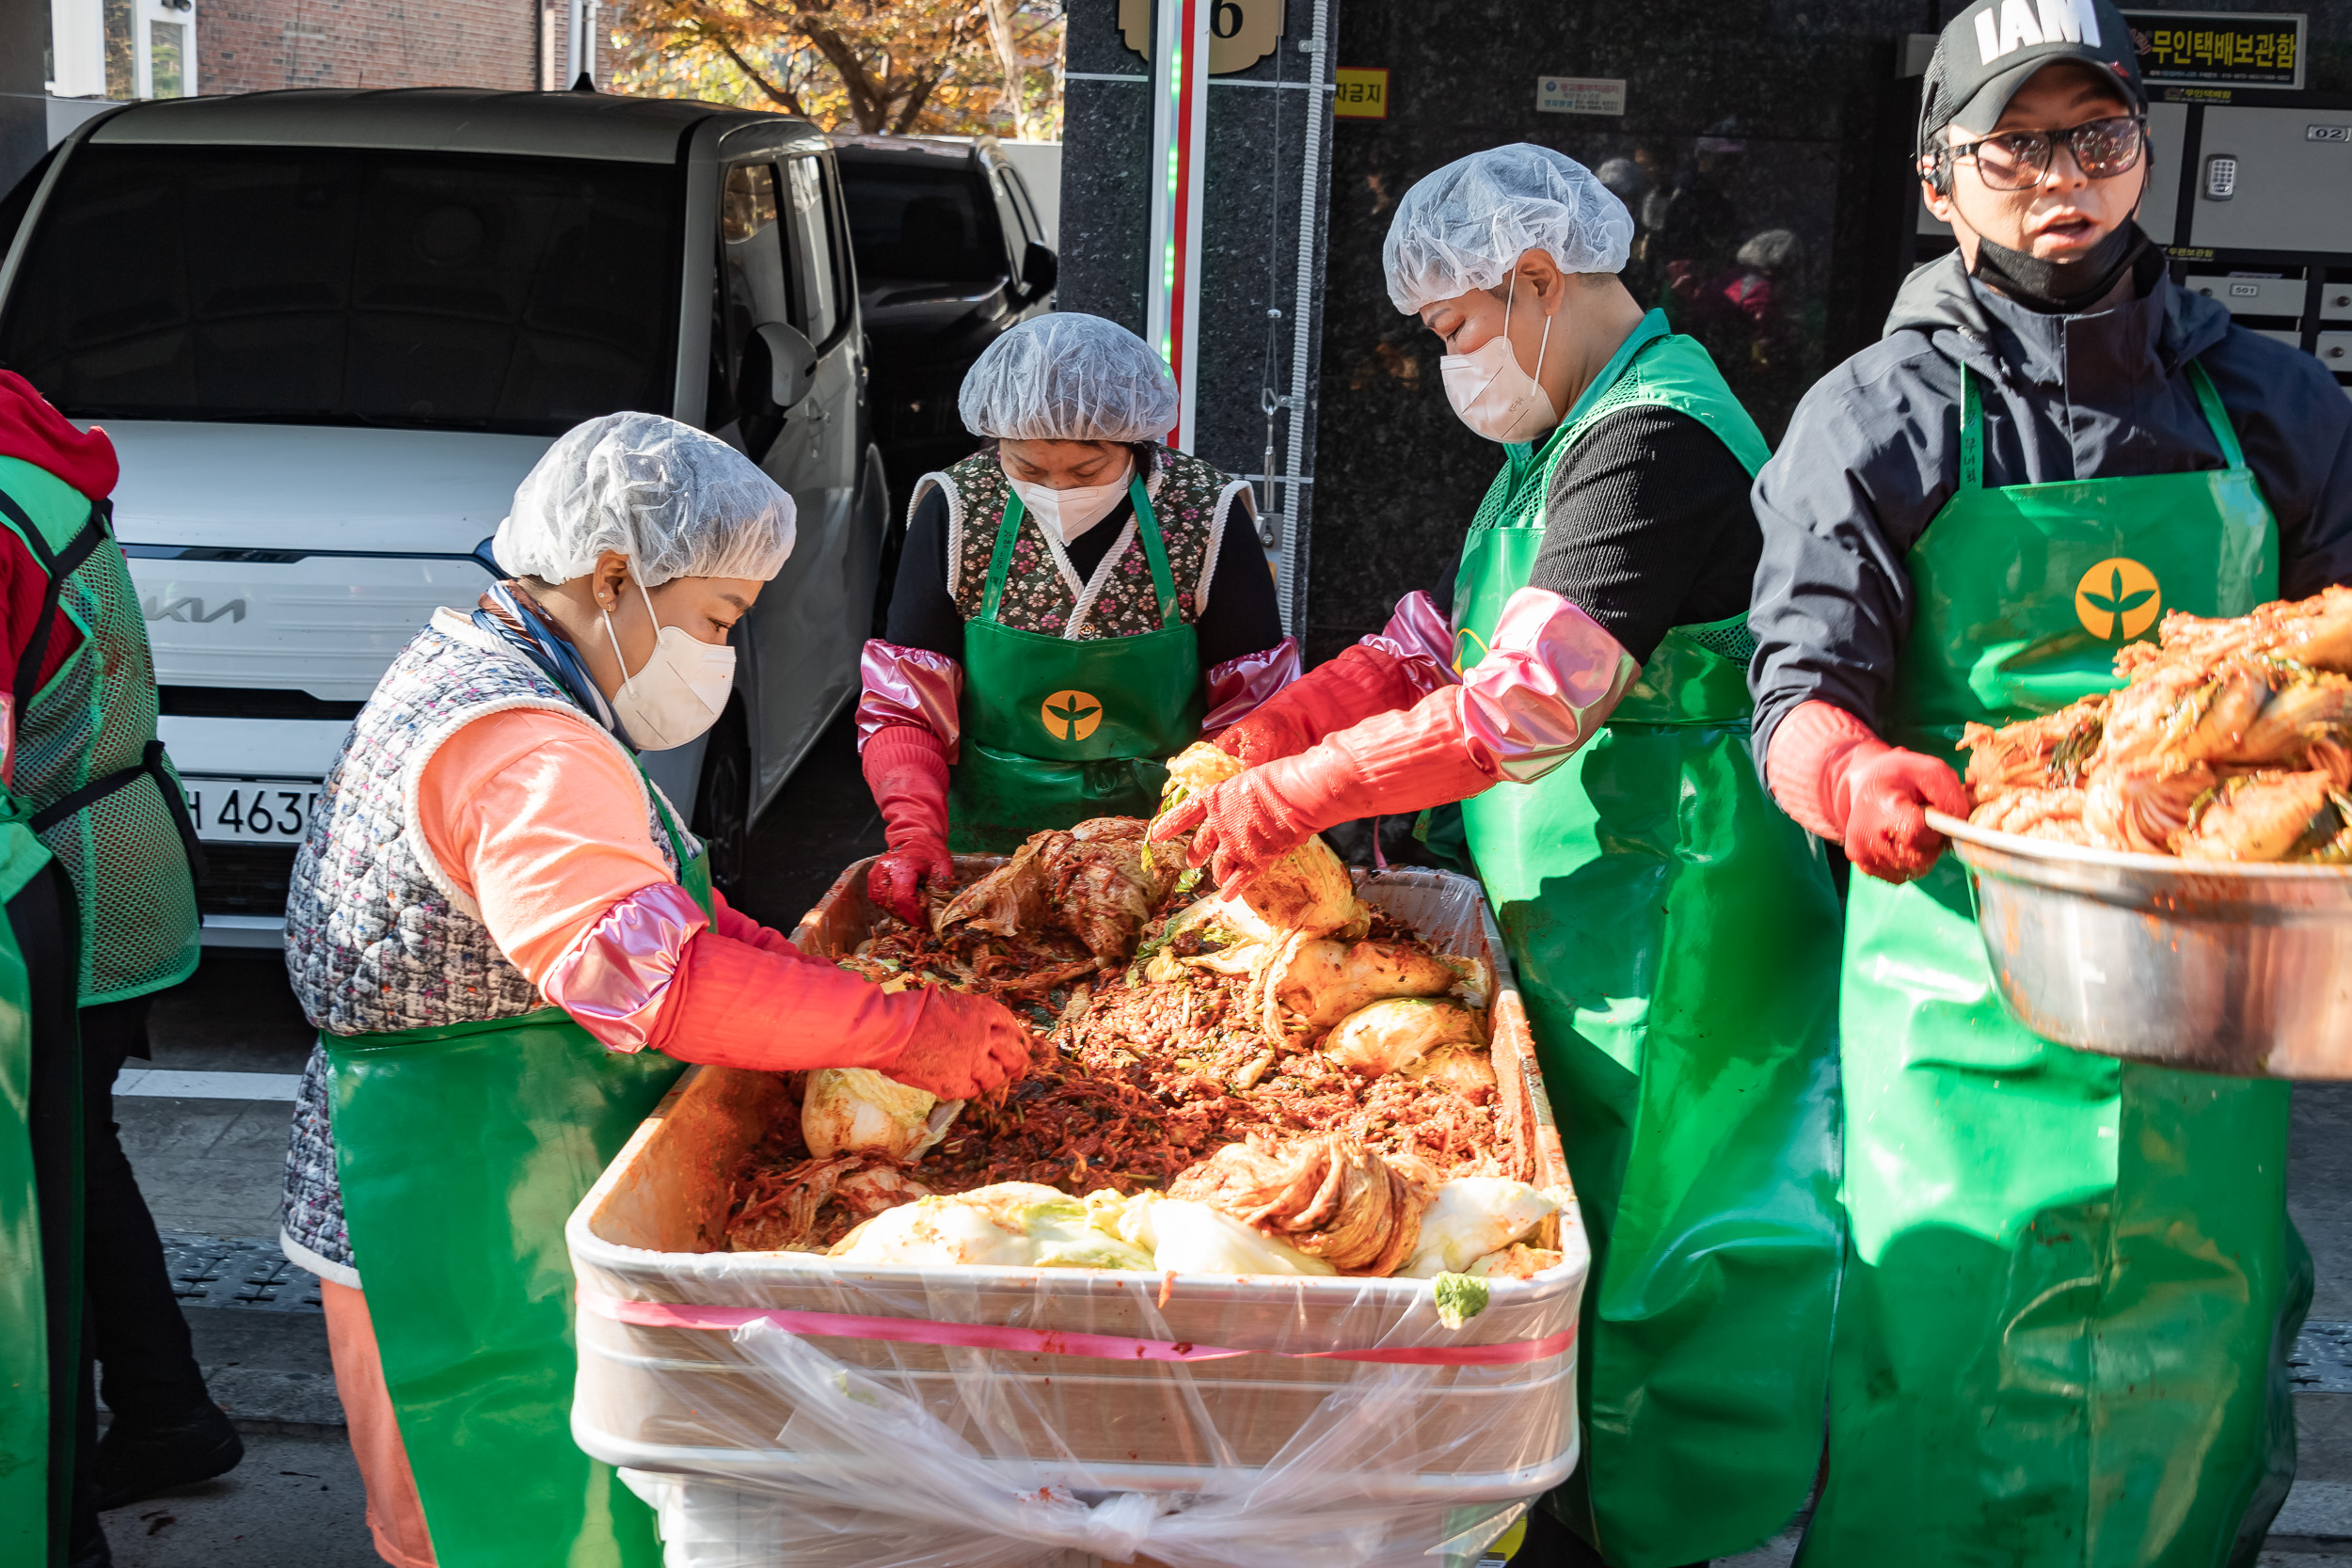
(1180,125)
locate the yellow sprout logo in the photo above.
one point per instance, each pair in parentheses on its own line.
(1071,715)
(1465,655)
(2118,599)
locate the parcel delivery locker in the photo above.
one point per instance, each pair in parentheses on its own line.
(2274,180)
(2251,296)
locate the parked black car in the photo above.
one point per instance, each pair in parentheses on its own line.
(949,254)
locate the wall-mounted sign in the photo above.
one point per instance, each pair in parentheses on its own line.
(1241,32)
(1580,95)
(2237,49)
(1362,93)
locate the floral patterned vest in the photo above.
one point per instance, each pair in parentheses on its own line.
(1043,592)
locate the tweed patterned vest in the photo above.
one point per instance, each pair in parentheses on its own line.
(1043,592)
(378,938)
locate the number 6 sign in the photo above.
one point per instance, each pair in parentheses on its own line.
(1241,32)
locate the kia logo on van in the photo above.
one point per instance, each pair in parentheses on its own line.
(191,611)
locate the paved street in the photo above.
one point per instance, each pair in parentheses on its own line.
(209,1148)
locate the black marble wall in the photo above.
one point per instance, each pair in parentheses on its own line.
(1257,123)
(1808,90)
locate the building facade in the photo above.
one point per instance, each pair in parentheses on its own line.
(129,49)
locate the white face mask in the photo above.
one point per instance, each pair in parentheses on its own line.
(1492,393)
(1064,514)
(681,690)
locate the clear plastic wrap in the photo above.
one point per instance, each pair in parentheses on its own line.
(786,1409)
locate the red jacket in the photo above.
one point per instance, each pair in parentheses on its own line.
(31,428)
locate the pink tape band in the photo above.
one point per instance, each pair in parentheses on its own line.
(1102,1347)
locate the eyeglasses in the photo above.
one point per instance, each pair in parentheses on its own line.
(2019,160)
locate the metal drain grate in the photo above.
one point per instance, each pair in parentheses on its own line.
(2322,1360)
(214,1270)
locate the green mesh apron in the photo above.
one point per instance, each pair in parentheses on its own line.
(41,1232)
(102,797)
(1055,729)
(462,1151)
(1675,938)
(2072,1281)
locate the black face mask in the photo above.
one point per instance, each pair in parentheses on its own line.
(2060,288)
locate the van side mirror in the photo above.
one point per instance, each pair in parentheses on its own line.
(791,362)
(1040,268)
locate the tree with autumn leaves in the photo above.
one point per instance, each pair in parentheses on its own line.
(906,67)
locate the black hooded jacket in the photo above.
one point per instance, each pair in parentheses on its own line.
(1873,453)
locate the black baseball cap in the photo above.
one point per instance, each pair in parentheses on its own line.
(1989,50)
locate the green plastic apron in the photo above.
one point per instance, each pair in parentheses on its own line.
(1057,731)
(462,1151)
(1675,938)
(2073,1282)
(39,1251)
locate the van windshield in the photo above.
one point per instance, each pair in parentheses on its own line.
(930,220)
(350,287)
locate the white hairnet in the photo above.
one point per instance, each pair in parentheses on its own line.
(1069,377)
(1466,226)
(1624,179)
(678,501)
(1773,250)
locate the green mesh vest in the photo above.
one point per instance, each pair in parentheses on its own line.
(86,759)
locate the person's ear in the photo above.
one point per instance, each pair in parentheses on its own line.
(1541,277)
(1935,193)
(611,576)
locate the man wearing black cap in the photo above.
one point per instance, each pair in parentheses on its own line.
(2071,1281)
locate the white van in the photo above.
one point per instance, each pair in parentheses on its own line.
(330,331)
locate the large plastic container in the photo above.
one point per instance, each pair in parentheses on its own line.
(1199,1421)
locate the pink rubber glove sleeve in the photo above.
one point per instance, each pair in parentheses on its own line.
(1239,686)
(901,686)
(1549,680)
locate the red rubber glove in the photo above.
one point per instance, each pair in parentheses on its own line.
(1834,774)
(1887,826)
(728,921)
(731,1004)
(906,768)
(1331,697)
(962,1045)
(1392,762)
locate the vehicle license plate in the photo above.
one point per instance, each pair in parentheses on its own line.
(252,811)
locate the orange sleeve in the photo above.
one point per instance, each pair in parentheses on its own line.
(540,821)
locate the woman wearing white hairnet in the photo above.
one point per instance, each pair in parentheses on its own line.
(1074,604)
(1581,686)
(510,948)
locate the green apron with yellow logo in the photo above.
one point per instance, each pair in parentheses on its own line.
(1055,731)
(462,1151)
(1675,938)
(2073,1283)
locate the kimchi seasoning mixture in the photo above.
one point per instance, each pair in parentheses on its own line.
(1132,1082)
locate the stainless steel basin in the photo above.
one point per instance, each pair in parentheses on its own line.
(2245,969)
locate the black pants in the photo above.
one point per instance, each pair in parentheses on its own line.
(1551,1545)
(148,1371)
(43,918)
